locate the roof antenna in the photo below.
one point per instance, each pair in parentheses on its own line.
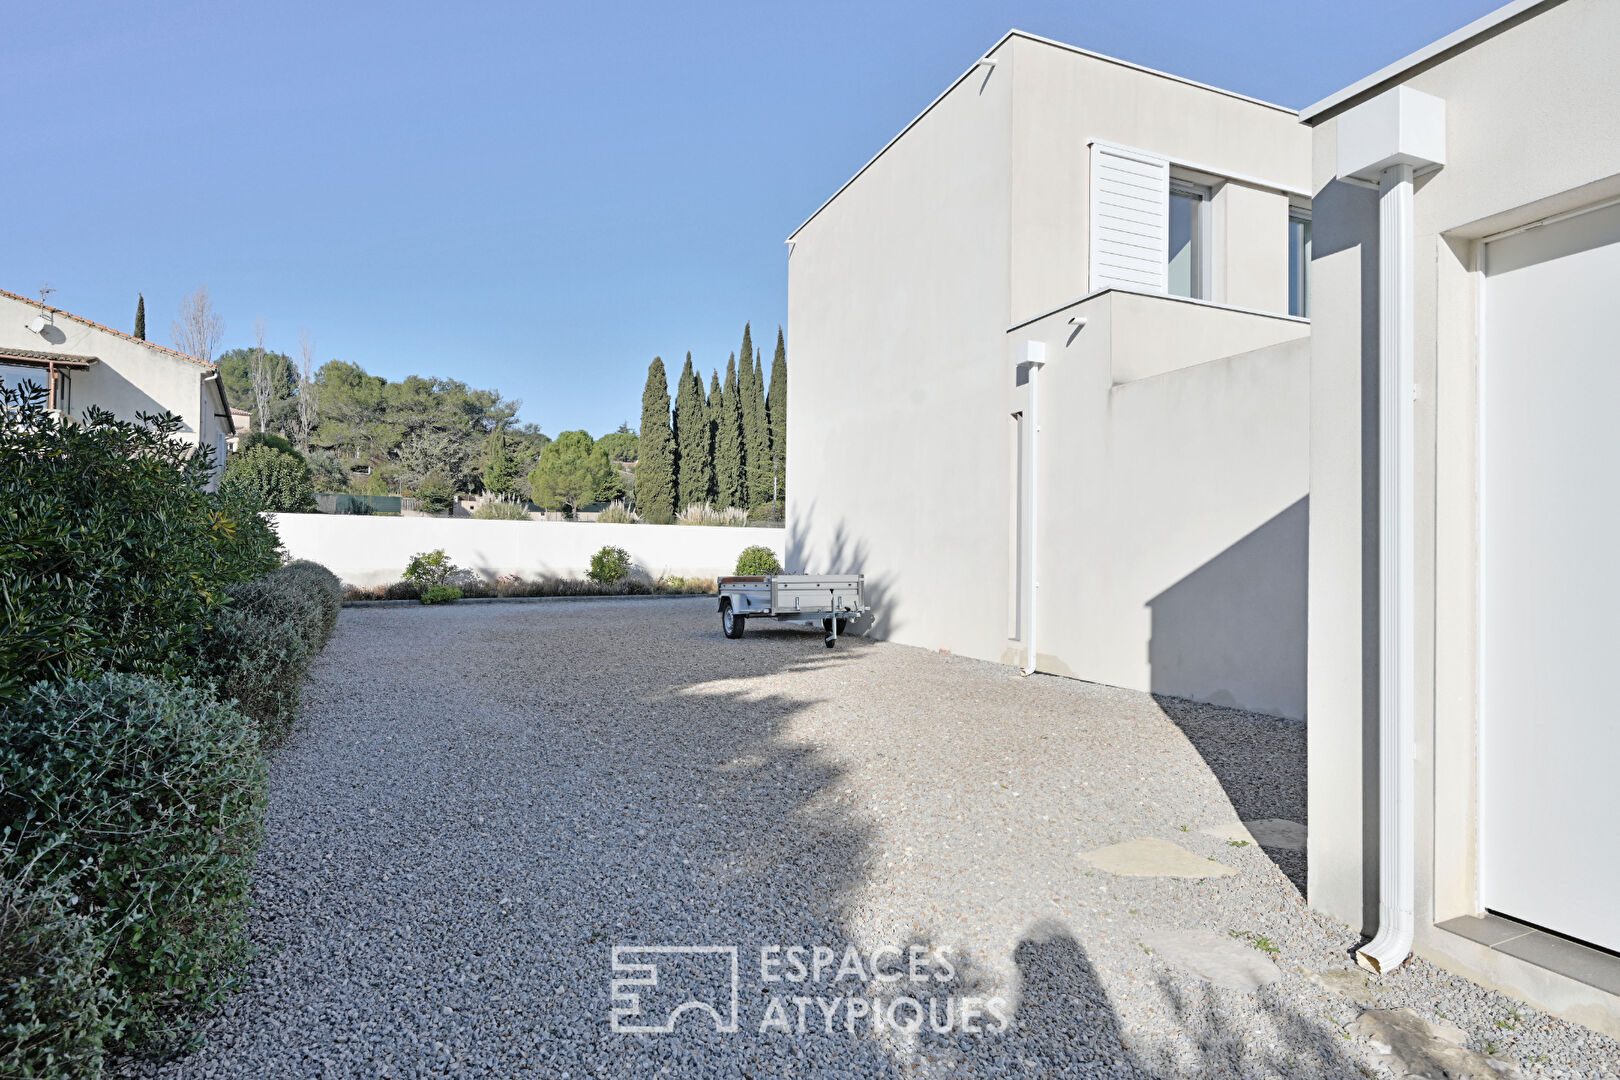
(39,322)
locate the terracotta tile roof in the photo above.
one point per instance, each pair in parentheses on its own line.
(107,329)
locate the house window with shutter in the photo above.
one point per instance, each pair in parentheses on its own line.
(1150,229)
(1130,193)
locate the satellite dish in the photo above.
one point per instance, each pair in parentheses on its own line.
(39,324)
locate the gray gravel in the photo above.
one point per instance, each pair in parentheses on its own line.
(481,801)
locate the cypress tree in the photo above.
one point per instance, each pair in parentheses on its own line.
(750,421)
(730,487)
(776,414)
(499,472)
(712,411)
(759,447)
(140,316)
(692,452)
(655,459)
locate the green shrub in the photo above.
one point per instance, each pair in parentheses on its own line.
(112,553)
(247,442)
(263,642)
(609,565)
(144,801)
(758,559)
(270,479)
(440,594)
(767,511)
(616,513)
(431,568)
(435,495)
(55,1008)
(684,585)
(260,665)
(323,584)
(501,510)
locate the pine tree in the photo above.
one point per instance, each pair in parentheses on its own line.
(759,446)
(696,463)
(140,316)
(776,414)
(655,459)
(730,486)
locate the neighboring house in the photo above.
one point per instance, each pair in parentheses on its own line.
(1125,252)
(1464,752)
(241,424)
(82,363)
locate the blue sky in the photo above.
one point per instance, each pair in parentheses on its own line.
(535,197)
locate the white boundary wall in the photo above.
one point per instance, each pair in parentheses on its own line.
(373,550)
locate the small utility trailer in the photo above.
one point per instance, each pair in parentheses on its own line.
(830,599)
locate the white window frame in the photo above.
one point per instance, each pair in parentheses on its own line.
(1202,234)
(1300,275)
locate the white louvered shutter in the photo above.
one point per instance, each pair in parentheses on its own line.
(1130,219)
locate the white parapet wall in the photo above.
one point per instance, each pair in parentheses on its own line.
(370,550)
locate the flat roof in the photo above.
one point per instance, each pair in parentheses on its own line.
(1008,36)
(1433,53)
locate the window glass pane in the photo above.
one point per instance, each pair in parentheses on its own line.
(1183,244)
(1299,266)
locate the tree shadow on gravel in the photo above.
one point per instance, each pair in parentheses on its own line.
(1259,762)
(451,861)
(452,855)
(1065,1025)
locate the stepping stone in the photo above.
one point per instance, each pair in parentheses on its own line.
(1223,961)
(1152,857)
(1278,833)
(1411,1046)
(1234,831)
(1347,983)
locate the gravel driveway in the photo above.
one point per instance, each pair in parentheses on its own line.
(482,801)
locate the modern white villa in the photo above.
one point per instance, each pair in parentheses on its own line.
(1061,403)
(82,363)
(1464,750)
(1054,340)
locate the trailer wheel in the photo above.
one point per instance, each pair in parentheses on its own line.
(730,622)
(827,625)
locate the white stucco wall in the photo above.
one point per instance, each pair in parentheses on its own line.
(131,376)
(901,292)
(897,302)
(1528,109)
(1062,100)
(1172,512)
(375,550)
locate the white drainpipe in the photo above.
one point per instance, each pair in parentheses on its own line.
(1032,356)
(1397,543)
(1387,140)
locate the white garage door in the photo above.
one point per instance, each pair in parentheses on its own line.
(1550,549)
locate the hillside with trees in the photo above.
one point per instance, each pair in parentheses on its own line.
(438,437)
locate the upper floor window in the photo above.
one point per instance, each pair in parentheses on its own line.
(1299,261)
(1189,203)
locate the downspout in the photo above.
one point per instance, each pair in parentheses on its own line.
(1388,140)
(1397,545)
(1032,357)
